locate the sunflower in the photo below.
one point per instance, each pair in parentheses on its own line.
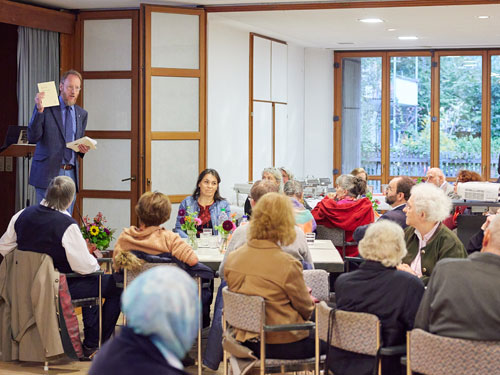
(94,230)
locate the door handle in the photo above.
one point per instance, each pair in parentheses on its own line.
(131,178)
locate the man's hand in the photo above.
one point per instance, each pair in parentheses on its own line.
(83,149)
(38,101)
(406,268)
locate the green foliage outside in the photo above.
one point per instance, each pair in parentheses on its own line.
(460,112)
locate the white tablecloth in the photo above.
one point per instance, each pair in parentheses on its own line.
(324,254)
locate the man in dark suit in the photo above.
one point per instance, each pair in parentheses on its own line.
(51,128)
(396,195)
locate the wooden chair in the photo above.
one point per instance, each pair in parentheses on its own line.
(354,332)
(249,313)
(61,337)
(431,354)
(337,236)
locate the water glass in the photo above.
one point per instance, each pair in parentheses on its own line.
(205,239)
(310,237)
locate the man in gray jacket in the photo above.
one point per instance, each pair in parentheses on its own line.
(462,299)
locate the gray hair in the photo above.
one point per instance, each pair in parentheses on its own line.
(288,172)
(355,186)
(277,174)
(293,188)
(383,242)
(432,201)
(60,193)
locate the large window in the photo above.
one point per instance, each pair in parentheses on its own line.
(401,113)
(410,115)
(460,113)
(495,115)
(361,115)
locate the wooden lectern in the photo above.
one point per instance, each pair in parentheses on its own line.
(24,151)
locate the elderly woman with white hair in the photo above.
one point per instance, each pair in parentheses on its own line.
(378,288)
(427,239)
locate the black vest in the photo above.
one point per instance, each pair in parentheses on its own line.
(40,229)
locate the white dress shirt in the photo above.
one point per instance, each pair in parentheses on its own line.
(79,258)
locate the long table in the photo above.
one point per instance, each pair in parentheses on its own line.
(325,256)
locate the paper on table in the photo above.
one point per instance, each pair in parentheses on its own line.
(49,88)
(87,141)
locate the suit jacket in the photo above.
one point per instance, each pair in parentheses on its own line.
(463,299)
(397,215)
(261,268)
(47,131)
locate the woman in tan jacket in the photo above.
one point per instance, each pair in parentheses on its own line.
(153,209)
(261,268)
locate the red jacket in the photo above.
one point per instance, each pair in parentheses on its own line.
(347,216)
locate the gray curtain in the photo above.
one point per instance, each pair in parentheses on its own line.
(37,61)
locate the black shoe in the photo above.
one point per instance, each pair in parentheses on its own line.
(188,361)
(88,353)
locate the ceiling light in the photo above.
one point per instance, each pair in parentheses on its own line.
(391,29)
(370,20)
(483,17)
(407,37)
(345,43)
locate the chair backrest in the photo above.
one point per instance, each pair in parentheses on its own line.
(468,225)
(132,274)
(352,331)
(242,311)
(336,235)
(431,354)
(319,282)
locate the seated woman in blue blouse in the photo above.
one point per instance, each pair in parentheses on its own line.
(206,200)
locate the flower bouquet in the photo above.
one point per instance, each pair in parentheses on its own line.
(189,221)
(225,229)
(96,234)
(375,202)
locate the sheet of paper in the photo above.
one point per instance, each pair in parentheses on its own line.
(87,141)
(51,98)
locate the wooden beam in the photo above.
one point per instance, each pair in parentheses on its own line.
(36,17)
(341,5)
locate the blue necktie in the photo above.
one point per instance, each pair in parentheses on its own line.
(68,135)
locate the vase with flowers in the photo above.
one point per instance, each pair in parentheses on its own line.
(189,221)
(97,235)
(375,203)
(225,229)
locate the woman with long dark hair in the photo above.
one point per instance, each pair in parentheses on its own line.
(205,200)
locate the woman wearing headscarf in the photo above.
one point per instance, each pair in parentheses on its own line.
(162,312)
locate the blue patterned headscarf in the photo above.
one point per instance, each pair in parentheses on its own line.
(162,303)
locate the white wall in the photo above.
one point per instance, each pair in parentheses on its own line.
(295,138)
(227,104)
(318,113)
(310,105)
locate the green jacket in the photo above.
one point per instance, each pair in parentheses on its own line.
(443,244)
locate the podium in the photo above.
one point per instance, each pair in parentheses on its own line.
(26,152)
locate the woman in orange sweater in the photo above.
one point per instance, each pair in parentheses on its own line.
(153,209)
